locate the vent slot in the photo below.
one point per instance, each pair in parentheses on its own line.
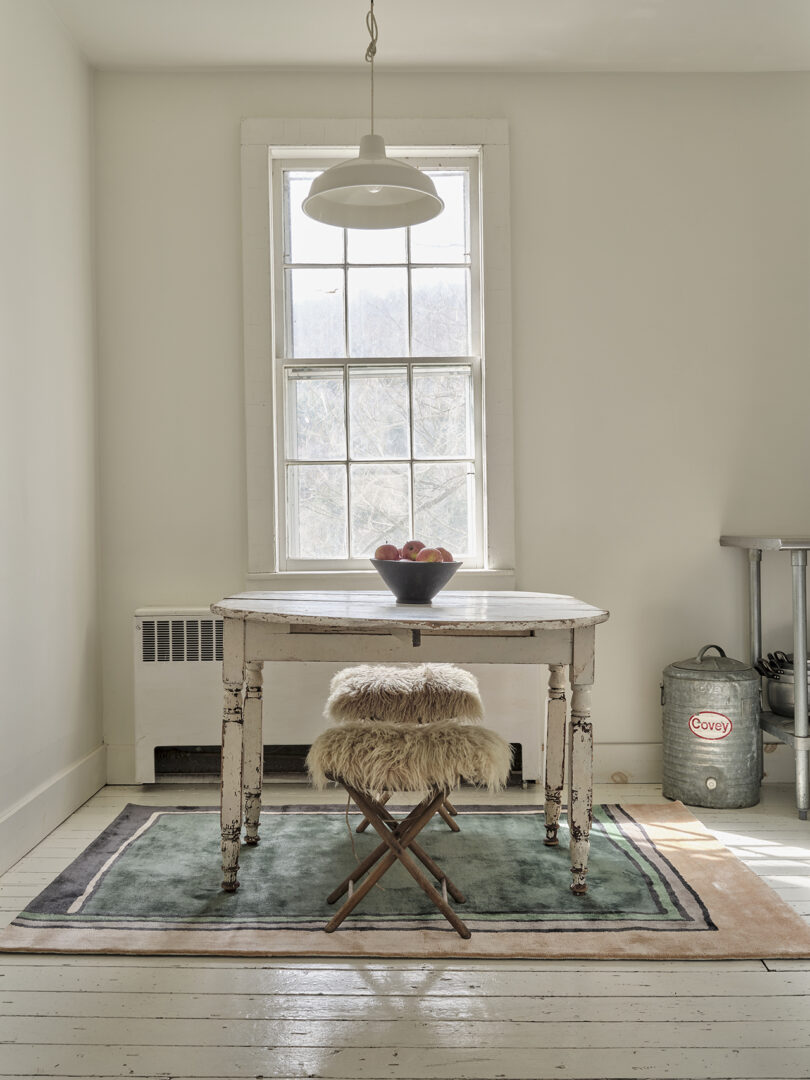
(178,640)
(148,640)
(181,640)
(192,639)
(207,639)
(163,639)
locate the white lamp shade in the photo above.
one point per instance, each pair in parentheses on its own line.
(372,191)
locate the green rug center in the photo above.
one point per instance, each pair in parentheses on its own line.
(171,872)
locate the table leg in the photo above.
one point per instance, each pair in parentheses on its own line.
(580,758)
(555,751)
(233,678)
(252,752)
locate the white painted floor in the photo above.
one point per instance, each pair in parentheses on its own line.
(512,1020)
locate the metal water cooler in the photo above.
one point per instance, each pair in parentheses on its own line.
(712,741)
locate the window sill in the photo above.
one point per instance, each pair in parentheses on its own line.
(369,579)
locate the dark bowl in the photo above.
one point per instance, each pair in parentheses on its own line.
(414,582)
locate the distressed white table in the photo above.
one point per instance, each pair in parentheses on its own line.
(370,627)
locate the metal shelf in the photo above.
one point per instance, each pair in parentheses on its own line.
(795,732)
(766,543)
(783,728)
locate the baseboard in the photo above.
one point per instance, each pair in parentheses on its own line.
(626,763)
(641,763)
(23,825)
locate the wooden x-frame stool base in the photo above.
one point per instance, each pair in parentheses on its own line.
(446,812)
(398,843)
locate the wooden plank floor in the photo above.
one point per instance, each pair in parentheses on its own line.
(372,1020)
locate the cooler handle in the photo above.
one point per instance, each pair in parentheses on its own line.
(706,648)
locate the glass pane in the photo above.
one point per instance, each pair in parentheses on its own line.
(381,505)
(378,412)
(315,299)
(444,497)
(441,312)
(445,238)
(316,511)
(308,241)
(378,312)
(442,412)
(378,245)
(315,414)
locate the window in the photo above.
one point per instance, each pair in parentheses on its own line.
(377,407)
(378,365)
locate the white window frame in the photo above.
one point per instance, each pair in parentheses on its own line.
(264,140)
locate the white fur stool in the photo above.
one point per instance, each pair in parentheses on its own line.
(419,694)
(371,760)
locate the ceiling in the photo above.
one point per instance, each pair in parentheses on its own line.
(517,35)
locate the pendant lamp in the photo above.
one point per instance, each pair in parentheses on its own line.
(372,191)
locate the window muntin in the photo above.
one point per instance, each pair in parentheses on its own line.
(379,379)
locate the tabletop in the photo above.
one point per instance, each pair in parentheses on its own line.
(767,543)
(450,610)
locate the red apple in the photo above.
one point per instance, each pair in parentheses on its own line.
(429,555)
(386,552)
(446,556)
(412,549)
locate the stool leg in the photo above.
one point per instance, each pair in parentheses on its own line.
(364,824)
(399,848)
(385,864)
(444,814)
(435,896)
(373,856)
(446,809)
(417,817)
(428,863)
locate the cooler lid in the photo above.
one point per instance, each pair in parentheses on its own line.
(711,665)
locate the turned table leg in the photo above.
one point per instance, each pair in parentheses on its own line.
(580,758)
(252,752)
(555,751)
(233,677)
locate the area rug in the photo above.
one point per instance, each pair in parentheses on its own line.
(659,887)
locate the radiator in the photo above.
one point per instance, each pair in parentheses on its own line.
(178,692)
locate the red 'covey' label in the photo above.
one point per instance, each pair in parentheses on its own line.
(710,725)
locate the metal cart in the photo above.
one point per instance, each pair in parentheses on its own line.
(793,731)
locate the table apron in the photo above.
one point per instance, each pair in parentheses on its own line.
(263,641)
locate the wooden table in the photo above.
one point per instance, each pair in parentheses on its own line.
(370,627)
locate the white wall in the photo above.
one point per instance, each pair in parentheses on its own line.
(50,721)
(661,270)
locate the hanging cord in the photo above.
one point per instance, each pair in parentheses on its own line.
(371,52)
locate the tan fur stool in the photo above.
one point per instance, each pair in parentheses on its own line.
(419,694)
(371,760)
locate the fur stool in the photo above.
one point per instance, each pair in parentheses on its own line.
(408,695)
(371,760)
(420,694)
